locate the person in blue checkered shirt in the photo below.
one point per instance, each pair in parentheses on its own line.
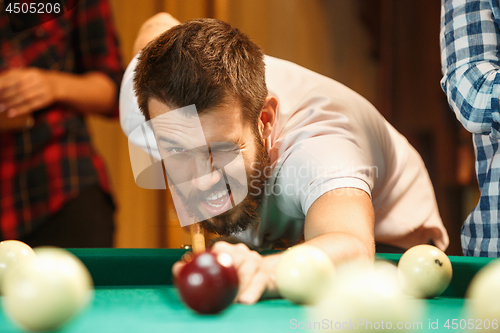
(470,44)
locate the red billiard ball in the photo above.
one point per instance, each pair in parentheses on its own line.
(209,283)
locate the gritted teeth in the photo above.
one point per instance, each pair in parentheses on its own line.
(216,195)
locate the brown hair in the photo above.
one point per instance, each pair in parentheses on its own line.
(205,62)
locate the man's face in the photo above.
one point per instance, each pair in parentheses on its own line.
(214,162)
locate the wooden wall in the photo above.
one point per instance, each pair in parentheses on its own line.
(412,99)
(140,216)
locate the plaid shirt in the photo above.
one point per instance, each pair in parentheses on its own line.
(470,53)
(46,166)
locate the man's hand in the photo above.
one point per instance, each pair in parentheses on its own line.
(256,273)
(25,90)
(153,27)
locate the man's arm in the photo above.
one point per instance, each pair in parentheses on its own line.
(26,90)
(153,27)
(340,223)
(470,63)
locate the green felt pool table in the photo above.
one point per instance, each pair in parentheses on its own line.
(134,293)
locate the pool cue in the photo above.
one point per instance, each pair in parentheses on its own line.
(197,238)
(197,234)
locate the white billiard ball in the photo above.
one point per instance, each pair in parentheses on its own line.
(424,271)
(303,274)
(46,291)
(483,294)
(12,252)
(367,298)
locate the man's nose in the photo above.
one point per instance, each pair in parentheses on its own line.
(205,176)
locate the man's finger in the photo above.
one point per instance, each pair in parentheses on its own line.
(247,270)
(28,106)
(9,78)
(23,87)
(248,264)
(9,91)
(21,98)
(176,268)
(237,251)
(253,292)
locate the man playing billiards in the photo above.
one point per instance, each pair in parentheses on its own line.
(321,163)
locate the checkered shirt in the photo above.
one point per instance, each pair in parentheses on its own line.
(470,54)
(42,168)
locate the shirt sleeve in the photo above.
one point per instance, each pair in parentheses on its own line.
(131,117)
(95,39)
(470,63)
(322,164)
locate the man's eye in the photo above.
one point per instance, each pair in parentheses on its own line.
(176,150)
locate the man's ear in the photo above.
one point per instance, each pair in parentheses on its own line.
(268,116)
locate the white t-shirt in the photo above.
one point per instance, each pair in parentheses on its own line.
(326,137)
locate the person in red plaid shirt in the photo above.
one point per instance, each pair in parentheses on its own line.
(53,185)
